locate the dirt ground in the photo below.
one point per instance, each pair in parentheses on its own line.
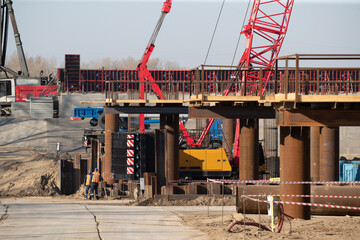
(24,172)
(200,201)
(319,227)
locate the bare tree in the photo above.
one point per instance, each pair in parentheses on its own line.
(37,65)
(128,63)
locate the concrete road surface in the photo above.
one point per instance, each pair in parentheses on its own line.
(47,218)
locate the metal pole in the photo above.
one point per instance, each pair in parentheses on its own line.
(276,74)
(1,31)
(202,82)
(297,79)
(286,78)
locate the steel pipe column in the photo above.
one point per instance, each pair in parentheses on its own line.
(162,121)
(228,136)
(295,166)
(249,149)
(329,154)
(111,126)
(172,147)
(315,153)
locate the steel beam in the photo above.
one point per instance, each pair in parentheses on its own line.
(176,109)
(111,126)
(295,162)
(249,149)
(231,112)
(329,154)
(317,117)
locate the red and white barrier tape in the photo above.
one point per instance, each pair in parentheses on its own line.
(283,182)
(267,181)
(185,181)
(309,204)
(310,196)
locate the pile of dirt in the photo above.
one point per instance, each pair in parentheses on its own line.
(24,172)
(319,227)
(199,201)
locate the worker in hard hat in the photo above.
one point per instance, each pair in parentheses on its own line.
(87,183)
(96,178)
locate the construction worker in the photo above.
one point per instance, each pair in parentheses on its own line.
(87,183)
(96,178)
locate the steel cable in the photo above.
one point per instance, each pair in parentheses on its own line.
(239,38)
(213,35)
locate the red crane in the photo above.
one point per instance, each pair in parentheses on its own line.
(264,34)
(144,73)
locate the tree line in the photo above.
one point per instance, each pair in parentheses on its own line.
(43,66)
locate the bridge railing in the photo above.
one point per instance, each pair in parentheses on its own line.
(289,76)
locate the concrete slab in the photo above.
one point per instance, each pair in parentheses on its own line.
(134,222)
(28,219)
(47,218)
(43,134)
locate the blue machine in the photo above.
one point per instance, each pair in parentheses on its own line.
(97,117)
(88,112)
(349,171)
(216,134)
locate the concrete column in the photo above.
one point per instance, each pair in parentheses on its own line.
(111,126)
(329,154)
(228,136)
(294,162)
(315,153)
(249,149)
(172,146)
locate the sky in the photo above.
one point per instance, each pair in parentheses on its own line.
(119,29)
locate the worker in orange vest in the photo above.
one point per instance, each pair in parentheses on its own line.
(96,178)
(87,183)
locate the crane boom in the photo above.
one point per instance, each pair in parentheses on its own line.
(20,50)
(144,73)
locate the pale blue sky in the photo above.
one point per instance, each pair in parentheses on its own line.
(119,28)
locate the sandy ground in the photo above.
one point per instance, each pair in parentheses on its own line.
(319,227)
(27,173)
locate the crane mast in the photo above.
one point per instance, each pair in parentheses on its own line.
(6,12)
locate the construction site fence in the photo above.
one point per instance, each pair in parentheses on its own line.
(249,81)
